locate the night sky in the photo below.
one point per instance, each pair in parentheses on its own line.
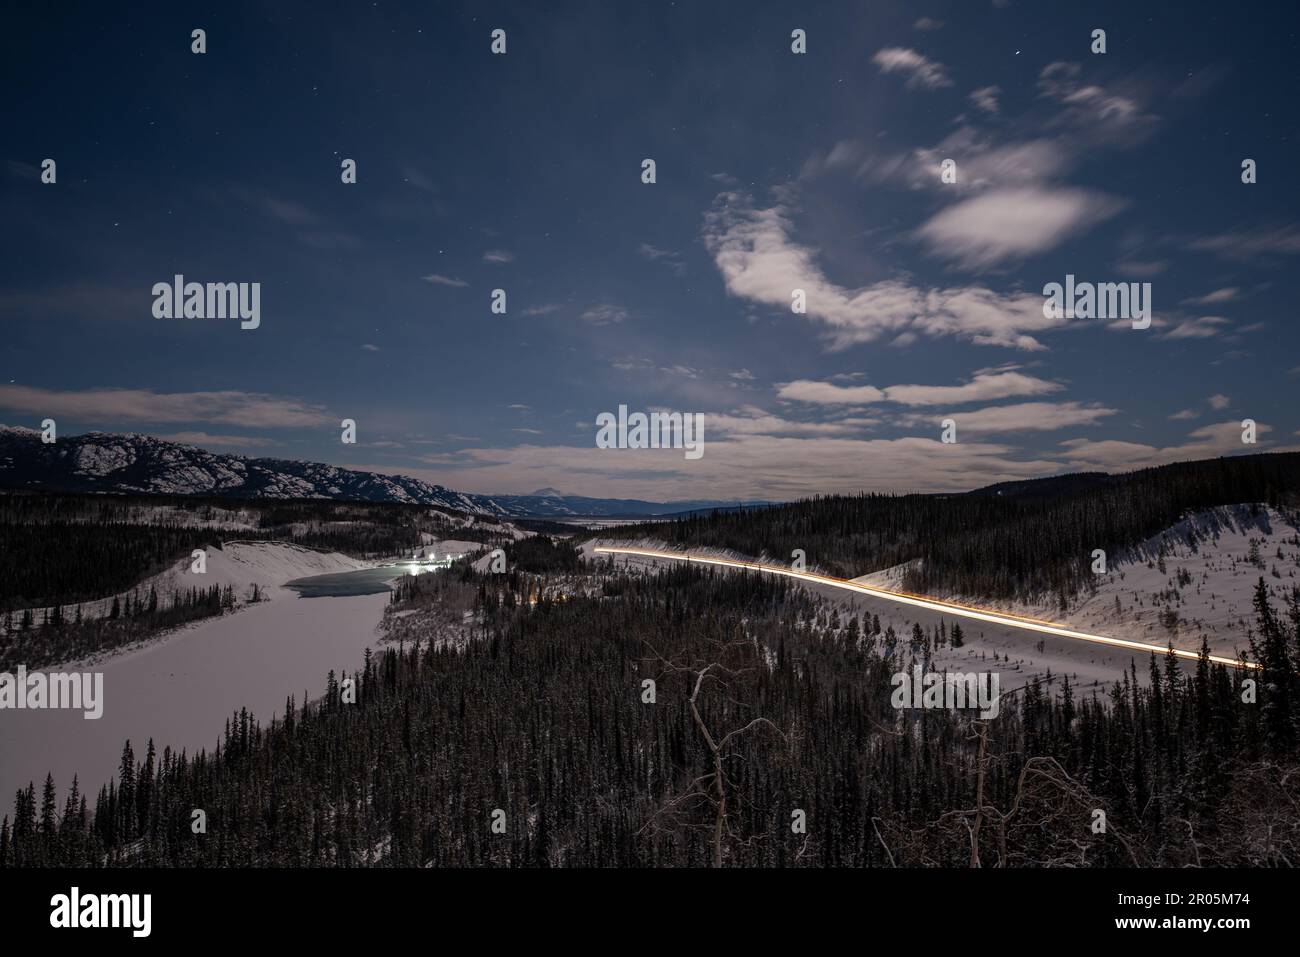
(774,171)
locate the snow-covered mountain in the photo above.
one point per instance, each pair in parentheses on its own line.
(143,464)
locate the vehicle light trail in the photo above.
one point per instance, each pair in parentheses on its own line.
(951,608)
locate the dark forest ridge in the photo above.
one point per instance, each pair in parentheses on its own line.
(1014,540)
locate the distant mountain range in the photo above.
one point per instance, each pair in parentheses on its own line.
(142,464)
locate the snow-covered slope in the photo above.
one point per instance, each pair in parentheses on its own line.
(104,462)
(1197,577)
(239,565)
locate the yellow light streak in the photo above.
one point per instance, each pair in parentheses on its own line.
(953,608)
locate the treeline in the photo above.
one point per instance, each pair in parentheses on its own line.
(69,548)
(543,555)
(1036,539)
(69,562)
(58,635)
(539,742)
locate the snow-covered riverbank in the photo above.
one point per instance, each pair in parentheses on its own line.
(181,689)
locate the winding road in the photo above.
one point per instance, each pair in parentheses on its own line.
(931,604)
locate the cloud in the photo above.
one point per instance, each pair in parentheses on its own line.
(370,347)
(605,315)
(498,256)
(926,23)
(1203,327)
(22,170)
(1023,417)
(983,387)
(440,280)
(746,464)
(1219,402)
(677,369)
(983,163)
(545,309)
(1185,414)
(248,409)
(754,421)
(1012,223)
(1213,298)
(986,98)
(1138,269)
(920,72)
(1246,243)
(671,259)
(827,393)
(760,262)
(1208,441)
(295,214)
(1104,114)
(312,229)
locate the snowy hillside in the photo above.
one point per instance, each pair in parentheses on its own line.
(1195,578)
(103,462)
(239,565)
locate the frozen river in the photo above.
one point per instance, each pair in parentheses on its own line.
(181,690)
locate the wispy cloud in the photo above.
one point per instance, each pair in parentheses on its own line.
(1213,298)
(920,72)
(1223,438)
(1251,242)
(1202,327)
(248,409)
(668,257)
(986,98)
(1104,114)
(605,314)
(1023,417)
(1141,269)
(440,280)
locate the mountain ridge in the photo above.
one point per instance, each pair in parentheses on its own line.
(137,463)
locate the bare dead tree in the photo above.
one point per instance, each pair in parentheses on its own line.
(1044,793)
(713,789)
